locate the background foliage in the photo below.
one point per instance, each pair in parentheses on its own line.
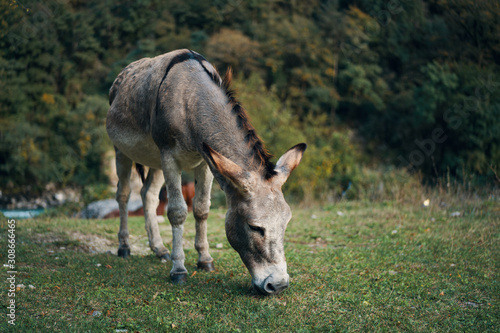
(367,84)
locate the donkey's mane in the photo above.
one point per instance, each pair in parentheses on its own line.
(254,142)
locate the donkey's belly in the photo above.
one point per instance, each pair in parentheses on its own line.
(142,149)
(138,147)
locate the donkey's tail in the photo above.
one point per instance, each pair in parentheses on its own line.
(140,170)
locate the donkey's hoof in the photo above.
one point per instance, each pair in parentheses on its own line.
(163,254)
(124,253)
(178,278)
(206,266)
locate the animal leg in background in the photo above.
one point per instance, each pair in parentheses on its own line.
(150,193)
(123,170)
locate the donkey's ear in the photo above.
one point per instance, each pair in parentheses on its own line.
(240,179)
(289,161)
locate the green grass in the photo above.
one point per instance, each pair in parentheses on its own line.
(380,267)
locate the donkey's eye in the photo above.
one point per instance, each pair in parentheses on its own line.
(257,229)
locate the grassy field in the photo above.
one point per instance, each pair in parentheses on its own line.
(353,267)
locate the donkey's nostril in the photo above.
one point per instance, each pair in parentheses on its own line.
(272,285)
(270,288)
(274,288)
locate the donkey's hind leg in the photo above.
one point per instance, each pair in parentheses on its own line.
(149,193)
(123,170)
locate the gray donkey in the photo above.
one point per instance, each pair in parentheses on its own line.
(173,113)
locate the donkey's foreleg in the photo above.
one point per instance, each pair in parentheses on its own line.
(201,207)
(177,212)
(123,170)
(149,193)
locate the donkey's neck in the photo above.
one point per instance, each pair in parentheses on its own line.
(224,125)
(223,133)
(196,91)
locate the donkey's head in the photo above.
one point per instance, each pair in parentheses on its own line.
(257,217)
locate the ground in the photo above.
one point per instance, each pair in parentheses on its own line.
(354,266)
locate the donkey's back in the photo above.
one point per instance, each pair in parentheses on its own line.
(149,100)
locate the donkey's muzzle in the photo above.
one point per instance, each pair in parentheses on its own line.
(272,285)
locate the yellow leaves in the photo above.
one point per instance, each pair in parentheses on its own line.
(327,166)
(330,72)
(13,4)
(304,76)
(359,14)
(84,143)
(272,64)
(29,151)
(48,99)
(355,11)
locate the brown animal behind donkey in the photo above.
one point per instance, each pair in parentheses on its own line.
(187,193)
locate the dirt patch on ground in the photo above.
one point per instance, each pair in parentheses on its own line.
(97,244)
(39,238)
(91,243)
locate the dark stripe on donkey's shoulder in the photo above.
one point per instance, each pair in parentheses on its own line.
(188,55)
(213,75)
(175,60)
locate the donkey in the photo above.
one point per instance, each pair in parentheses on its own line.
(174,112)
